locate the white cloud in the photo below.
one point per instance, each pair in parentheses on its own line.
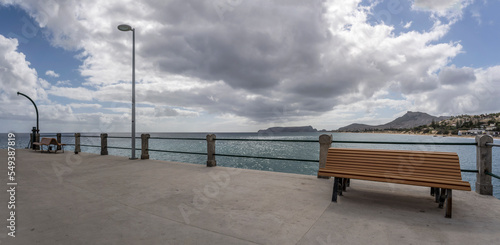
(452,9)
(66,83)
(83,105)
(476,93)
(264,63)
(51,73)
(79,93)
(407,25)
(454,76)
(477,16)
(16,75)
(173,112)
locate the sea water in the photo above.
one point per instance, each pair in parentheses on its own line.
(196,143)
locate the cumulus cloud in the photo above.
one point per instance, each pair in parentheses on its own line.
(263,61)
(453,76)
(16,75)
(82,105)
(452,9)
(468,95)
(51,73)
(79,93)
(172,112)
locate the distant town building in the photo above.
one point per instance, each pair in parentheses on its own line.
(490,128)
(476,131)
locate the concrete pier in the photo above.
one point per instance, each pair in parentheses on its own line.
(68,198)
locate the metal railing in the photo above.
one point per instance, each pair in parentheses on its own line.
(212,155)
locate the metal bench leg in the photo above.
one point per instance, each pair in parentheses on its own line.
(448,204)
(344,184)
(432,191)
(335,189)
(340,186)
(442,197)
(436,194)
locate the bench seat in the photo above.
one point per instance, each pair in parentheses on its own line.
(438,170)
(48,142)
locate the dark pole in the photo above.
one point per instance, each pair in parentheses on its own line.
(37,128)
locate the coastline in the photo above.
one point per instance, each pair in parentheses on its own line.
(411,133)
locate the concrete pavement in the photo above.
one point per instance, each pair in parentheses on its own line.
(65,198)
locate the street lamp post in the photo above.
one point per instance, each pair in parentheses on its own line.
(125,27)
(33,137)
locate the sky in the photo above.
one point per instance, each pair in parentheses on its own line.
(241,66)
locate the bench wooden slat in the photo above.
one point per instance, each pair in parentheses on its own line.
(400,168)
(430,174)
(406,182)
(396,167)
(381,151)
(449,163)
(430,182)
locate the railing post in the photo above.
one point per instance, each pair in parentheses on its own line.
(211,151)
(31,146)
(145,146)
(77,143)
(104,144)
(59,140)
(37,139)
(483,161)
(325,142)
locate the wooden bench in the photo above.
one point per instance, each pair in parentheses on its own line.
(438,170)
(48,142)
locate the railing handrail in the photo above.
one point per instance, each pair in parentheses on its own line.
(174,138)
(269,140)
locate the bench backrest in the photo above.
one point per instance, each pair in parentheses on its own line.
(46,141)
(418,165)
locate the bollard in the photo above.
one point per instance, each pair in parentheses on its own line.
(33,139)
(483,161)
(59,139)
(145,146)
(37,139)
(325,142)
(211,151)
(104,144)
(77,143)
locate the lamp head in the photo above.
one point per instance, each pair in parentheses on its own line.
(125,27)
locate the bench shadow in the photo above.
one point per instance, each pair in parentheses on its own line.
(384,199)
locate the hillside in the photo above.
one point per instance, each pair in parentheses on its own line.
(288,129)
(409,120)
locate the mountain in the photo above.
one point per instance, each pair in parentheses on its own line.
(408,120)
(288,129)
